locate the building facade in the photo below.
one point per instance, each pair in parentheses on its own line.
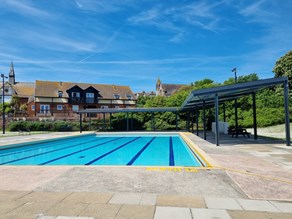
(166,90)
(62,100)
(24,91)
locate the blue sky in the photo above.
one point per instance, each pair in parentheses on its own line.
(132,42)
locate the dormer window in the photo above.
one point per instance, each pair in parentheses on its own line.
(60,93)
(129,96)
(117,96)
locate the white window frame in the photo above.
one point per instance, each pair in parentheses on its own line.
(117,96)
(77,94)
(32,107)
(90,96)
(44,108)
(129,96)
(60,94)
(60,107)
(76,107)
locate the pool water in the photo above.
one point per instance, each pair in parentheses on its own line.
(130,150)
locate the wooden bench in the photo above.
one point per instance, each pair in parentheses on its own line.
(23,131)
(239,131)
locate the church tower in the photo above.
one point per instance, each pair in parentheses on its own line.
(11,74)
(158,87)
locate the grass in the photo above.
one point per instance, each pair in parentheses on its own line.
(277,131)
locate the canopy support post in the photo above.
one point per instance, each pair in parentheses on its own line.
(204,121)
(216,120)
(287,119)
(254,116)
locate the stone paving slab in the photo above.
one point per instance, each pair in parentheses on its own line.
(283,206)
(88,197)
(11,195)
(7,216)
(67,209)
(172,212)
(180,201)
(6,207)
(222,203)
(199,213)
(65,217)
(33,208)
(44,196)
(126,198)
(98,211)
(257,205)
(28,178)
(248,214)
(279,215)
(135,212)
(148,199)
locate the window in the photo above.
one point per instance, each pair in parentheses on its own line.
(45,108)
(104,107)
(129,96)
(117,96)
(33,107)
(75,107)
(75,94)
(59,107)
(89,97)
(60,93)
(117,107)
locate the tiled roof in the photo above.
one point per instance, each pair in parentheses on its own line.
(24,89)
(51,89)
(171,88)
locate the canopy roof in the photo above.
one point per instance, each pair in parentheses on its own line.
(130,110)
(228,92)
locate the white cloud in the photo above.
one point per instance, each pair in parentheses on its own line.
(79,5)
(173,19)
(24,8)
(252,9)
(102,6)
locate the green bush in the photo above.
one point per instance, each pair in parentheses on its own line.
(44,126)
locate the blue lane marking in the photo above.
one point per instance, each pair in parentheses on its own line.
(98,158)
(171,156)
(140,152)
(35,155)
(76,152)
(42,145)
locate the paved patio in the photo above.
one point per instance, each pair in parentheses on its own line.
(250,180)
(45,205)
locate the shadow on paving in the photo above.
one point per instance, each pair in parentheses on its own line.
(138,179)
(228,140)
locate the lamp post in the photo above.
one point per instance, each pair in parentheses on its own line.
(235,77)
(3,108)
(235,102)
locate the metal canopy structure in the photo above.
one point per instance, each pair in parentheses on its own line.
(209,97)
(227,92)
(206,98)
(131,111)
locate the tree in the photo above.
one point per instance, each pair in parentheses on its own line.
(15,105)
(283,67)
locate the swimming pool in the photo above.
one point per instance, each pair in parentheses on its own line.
(125,150)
